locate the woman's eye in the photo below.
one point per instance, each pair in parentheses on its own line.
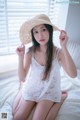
(35,32)
(44,29)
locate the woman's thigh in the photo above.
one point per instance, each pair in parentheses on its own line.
(23,108)
(42,109)
(16,101)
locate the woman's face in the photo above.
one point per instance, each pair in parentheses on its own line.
(41,34)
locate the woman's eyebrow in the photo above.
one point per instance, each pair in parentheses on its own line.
(43,27)
(34,29)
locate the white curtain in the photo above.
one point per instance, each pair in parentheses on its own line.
(14,12)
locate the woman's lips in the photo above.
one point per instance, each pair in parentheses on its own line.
(42,40)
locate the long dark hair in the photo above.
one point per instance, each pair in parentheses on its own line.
(49,51)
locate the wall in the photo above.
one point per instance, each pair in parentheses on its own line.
(61,22)
(73,30)
(73,22)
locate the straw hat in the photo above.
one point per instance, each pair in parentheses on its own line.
(25,30)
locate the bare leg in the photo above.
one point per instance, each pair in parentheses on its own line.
(16,102)
(55,108)
(22,108)
(17,99)
(42,109)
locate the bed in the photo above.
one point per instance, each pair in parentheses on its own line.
(70,110)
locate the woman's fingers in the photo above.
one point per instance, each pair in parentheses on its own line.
(63,35)
(20,49)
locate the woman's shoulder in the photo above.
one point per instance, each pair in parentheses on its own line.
(57,48)
(57,52)
(28,52)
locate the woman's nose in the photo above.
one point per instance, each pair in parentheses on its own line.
(40,35)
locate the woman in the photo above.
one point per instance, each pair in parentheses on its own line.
(39,69)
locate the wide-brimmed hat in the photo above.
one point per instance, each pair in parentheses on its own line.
(25,30)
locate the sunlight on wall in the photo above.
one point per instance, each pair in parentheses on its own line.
(61,21)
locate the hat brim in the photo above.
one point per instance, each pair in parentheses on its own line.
(25,31)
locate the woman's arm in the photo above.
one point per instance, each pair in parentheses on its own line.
(65,57)
(24,62)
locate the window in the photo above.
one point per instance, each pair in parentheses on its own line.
(14,12)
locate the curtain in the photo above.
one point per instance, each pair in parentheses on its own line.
(14,12)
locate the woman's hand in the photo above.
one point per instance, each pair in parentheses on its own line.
(63,38)
(20,50)
(21,84)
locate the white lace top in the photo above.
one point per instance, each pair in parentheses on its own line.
(36,89)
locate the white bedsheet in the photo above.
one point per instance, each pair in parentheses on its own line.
(70,109)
